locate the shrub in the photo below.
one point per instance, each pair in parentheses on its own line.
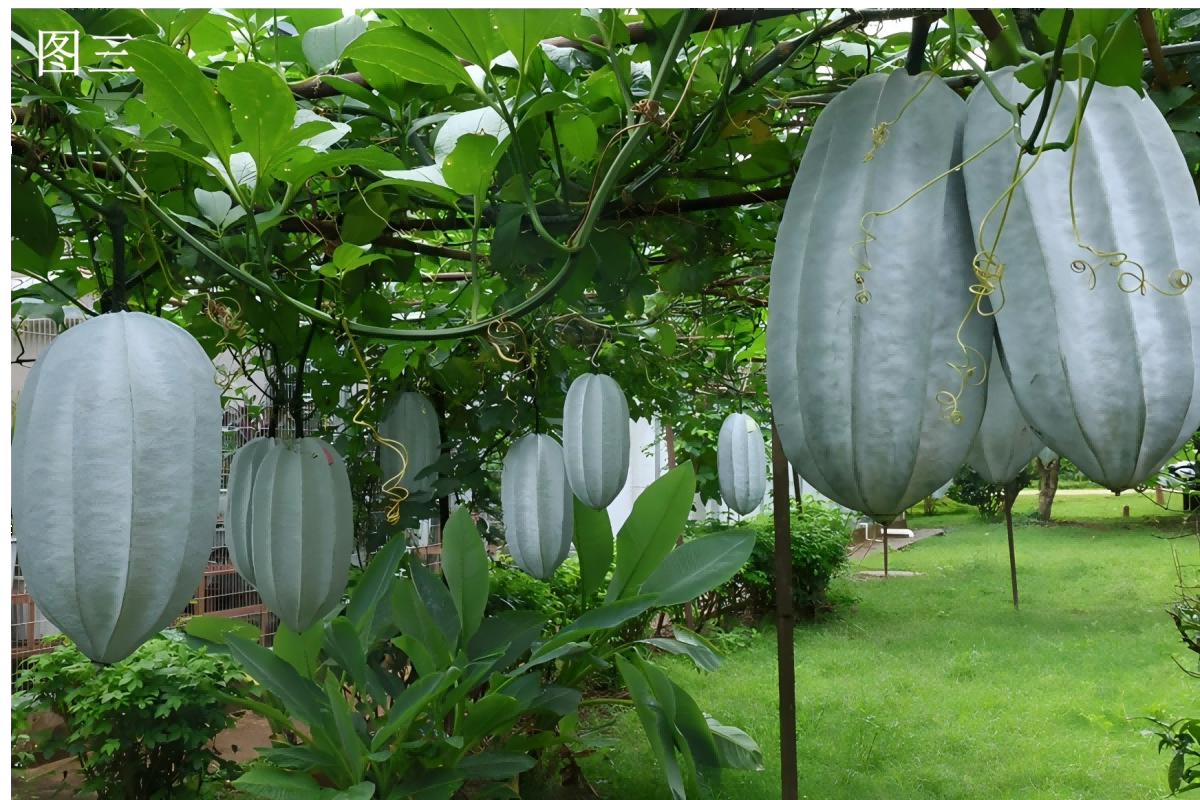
(820,536)
(988,498)
(141,728)
(558,597)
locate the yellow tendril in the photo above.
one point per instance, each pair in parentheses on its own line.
(396,493)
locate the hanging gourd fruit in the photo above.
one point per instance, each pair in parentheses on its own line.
(596,439)
(302,530)
(1005,443)
(116,460)
(539,516)
(1047,455)
(242,468)
(1088,252)
(413,422)
(741,463)
(873,374)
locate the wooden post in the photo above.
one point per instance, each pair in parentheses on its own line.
(785,621)
(885,550)
(1010,496)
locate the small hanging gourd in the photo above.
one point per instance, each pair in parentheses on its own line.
(596,439)
(873,381)
(116,479)
(1100,340)
(741,463)
(539,517)
(242,468)
(413,422)
(301,530)
(1047,455)
(1005,443)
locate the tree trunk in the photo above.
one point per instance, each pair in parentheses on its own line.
(929,501)
(1047,487)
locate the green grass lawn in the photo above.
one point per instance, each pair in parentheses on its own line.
(934,687)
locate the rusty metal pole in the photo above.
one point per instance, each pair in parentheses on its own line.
(785,620)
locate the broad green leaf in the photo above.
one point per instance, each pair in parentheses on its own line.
(426,179)
(478,120)
(648,535)
(324,44)
(179,92)
(438,602)
(212,628)
(605,617)
(688,644)
(693,727)
(341,643)
(408,705)
(491,715)
(300,696)
(509,632)
(468,170)
(699,565)
(659,731)
(301,649)
(302,163)
(577,134)
(594,546)
(496,765)
(468,33)
(1121,57)
(353,748)
(33,222)
(365,217)
(735,748)
(360,791)
(409,55)
(263,109)
(522,29)
(274,783)
(374,587)
(415,621)
(465,565)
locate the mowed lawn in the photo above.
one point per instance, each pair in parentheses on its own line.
(934,687)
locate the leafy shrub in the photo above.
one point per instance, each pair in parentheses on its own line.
(970,488)
(558,598)
(820,536)
(141,728)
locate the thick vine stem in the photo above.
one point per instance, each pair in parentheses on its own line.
(1055,69)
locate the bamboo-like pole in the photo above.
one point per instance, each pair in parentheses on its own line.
(785,620)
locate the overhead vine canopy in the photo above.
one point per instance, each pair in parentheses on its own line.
(437,197)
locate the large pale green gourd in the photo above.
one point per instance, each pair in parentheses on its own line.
(302,530)
(539,519)
(242,468)
(116,460)
(1106,377)
(855,387)
(1005,443)
(596,439)
(413,422)
(741,463)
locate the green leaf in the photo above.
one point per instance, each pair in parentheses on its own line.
(468,33)
(409,55)
(594,546)
(274,783)
(523,29)
(213,628)
(477,120)
(426,179)
(301,697)
(374,586)
(659,730)
(438,601)
(323,45)
(179,92)
(360,791)
(301,649)
(365,219)
(301,163)
(577,133)
(496,766)
(693,727)
(735,748)
(468,169)
(509,632)
(1121,57)
(415,620)
(33,222)
(605,617)
(465,565)
(688,644)
(341,643)
(263,109)
(649,534)
(491,715)
(411,702)
(353,748)
(699,565)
